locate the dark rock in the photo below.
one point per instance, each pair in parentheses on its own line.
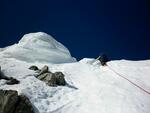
(44,70)
(41,77)
(35,68)
(12,81)
(10,102)
(38,71)
(48,78)
(52,79)
(60,80)
(24,105)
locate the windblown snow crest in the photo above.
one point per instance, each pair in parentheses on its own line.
(39,47)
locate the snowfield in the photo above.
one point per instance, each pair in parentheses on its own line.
(91,88)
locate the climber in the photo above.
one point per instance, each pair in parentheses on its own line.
(103,59)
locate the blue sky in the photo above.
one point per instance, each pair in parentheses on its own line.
(119,28)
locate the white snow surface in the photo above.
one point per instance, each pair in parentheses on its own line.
(91,88)
(38,47)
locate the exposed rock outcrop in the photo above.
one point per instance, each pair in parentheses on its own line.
(11,102)
(24,105)
(48,78)
(60,78)
(43,70)
(34,68)
(12,81)
(51,79)
(8,101)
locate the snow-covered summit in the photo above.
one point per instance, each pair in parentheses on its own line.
(39,47)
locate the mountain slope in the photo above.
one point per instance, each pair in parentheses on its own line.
(91,88)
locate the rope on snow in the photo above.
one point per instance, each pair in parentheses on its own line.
(122,76)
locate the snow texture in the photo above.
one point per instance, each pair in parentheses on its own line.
(91,88)
(38,47)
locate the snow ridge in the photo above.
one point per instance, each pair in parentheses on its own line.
(39,47)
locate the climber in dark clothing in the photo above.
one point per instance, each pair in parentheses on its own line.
(103,59)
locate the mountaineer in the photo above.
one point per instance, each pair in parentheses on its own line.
(103,59)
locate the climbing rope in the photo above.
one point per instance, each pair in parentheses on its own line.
(122,76)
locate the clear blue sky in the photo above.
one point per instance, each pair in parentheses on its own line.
(119,28)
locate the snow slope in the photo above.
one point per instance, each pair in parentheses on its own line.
(91,88)
(38,47)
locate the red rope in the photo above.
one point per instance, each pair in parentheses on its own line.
(128,80)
